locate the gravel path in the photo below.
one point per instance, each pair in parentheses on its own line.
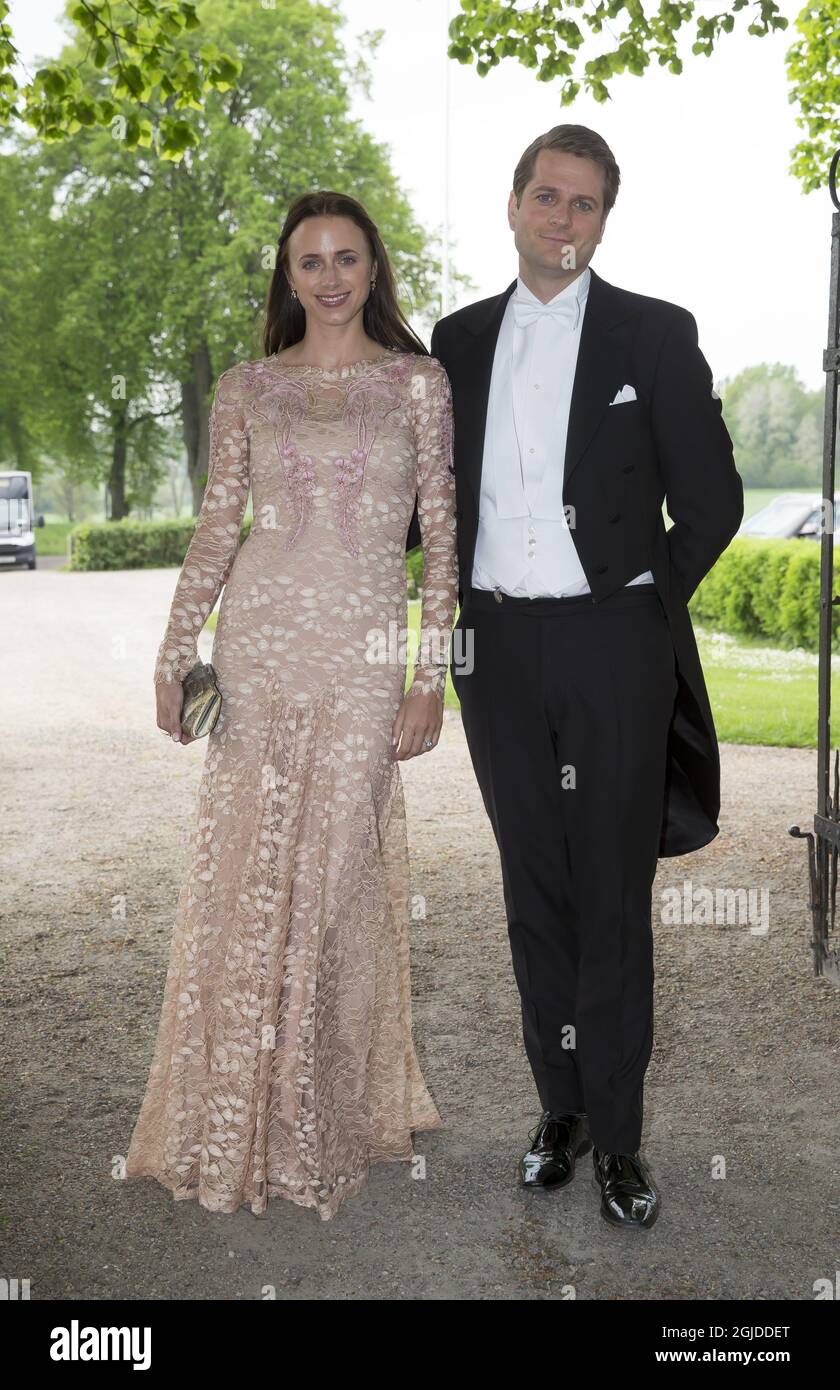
(746,1064)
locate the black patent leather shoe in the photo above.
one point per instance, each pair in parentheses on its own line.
(555,1144)
(628,1194)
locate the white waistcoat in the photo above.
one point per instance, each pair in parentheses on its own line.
(524,546)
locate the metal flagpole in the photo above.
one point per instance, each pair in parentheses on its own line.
(444,289)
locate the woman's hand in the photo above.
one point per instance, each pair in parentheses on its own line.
(420,717)
(170,701)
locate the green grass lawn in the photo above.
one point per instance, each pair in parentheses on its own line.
(760,694)
(51,539)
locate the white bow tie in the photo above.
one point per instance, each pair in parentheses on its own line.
(566,310)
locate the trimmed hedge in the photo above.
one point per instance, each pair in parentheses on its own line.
(131,545)
(765,589)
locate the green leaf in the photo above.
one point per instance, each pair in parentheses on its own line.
(81,15)
(85,112)
(54,82)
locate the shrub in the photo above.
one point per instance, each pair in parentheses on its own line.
(765,589)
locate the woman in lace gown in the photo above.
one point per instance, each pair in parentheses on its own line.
(284,1062)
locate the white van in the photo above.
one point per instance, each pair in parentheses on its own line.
(17,536)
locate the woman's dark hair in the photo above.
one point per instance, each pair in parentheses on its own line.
(285,319)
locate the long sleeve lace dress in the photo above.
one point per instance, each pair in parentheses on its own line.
(284,1062)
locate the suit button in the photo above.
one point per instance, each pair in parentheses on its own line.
(617,517)
(601,569)
(628,467)
(458,513)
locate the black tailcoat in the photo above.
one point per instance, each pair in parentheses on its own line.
(620,462)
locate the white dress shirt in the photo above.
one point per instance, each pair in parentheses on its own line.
(524,545)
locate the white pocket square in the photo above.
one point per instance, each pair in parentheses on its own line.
(625,394)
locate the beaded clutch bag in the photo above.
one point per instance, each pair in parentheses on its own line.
(202,700)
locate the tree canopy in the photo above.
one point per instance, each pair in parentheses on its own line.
(137,50)
(556,41)
(140,280)
(150,77)
(776,427)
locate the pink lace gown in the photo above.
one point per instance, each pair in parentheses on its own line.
(284,1062)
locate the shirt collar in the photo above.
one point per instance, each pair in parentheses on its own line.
(578,289)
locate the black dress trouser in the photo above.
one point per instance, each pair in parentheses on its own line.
(566,714)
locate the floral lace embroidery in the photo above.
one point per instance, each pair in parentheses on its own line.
(215,540)
(300,475)
(349,481)
(284,404)
(368,402)
(284,1064)
(282,401)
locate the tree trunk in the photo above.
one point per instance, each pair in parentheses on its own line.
(119,454)
(196,418)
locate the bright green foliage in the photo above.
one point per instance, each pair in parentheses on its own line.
(549,38)
(148,75)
